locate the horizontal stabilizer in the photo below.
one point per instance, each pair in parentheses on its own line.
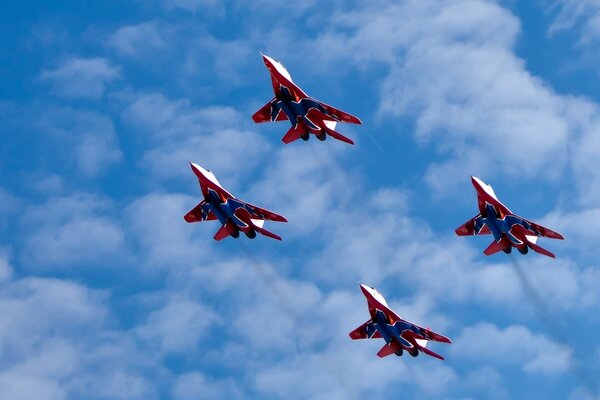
(258,222)
(385,351)
(266,232)
(222,233)
(493,248)
(539,249)
(293,134)
(429,352)
(338,136)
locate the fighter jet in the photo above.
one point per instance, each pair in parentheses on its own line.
(235,215)
(306,114)
(399,334)
(509,230)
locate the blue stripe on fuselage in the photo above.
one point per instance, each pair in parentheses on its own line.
(225,211)
(297,109)
(500,226)
(389,331)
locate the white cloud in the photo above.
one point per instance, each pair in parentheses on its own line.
(582,15)
(514,345)
(6,270)
(82,77)
(10,204)
(86,139)
(179,132)
(156,225)
(71,231)
(196,386)
(144,38)
(178,326)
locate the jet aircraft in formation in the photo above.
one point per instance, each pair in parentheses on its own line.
(399,334)
(509,230)
(306,114)
(234,214)
(310,116)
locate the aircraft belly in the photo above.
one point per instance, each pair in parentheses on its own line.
(218,213)
(383,331)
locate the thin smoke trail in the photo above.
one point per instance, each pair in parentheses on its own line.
(552,326)
(383,153)
(269,279)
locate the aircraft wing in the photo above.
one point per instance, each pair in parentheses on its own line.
(341,116)
(365,331)
(262,213)
(426,334)
(474,226)
(269,113)
(199,213)
(545,232)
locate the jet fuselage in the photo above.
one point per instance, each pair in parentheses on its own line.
(390,332)
(224,211)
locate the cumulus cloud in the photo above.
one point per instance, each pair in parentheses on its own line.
(214,137)
(81,77)
(177,327)
(513,345)
(196,386)
(71,231)
(83,139)
(144,38)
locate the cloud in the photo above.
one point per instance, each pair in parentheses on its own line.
(214,137)
(6,270)
(10,205)
(582,15)
(194,5)
(71,231)
(56,343)
(145,38)
(82,77)
(513,345)
(177,327)
(62,139)
(196,386)
(159,234)
(451,68)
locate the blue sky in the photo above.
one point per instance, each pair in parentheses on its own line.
(105,292)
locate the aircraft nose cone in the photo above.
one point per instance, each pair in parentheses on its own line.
(365,289)
(477,183)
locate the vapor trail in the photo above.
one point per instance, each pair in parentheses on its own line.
(383,153)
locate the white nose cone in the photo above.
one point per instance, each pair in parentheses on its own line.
(208,174)
(481,184)
(374,293)
(278,66)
